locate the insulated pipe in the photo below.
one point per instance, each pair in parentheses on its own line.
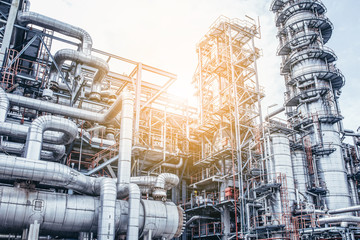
(176,166)
(106,221)
(125,141)
(48,173)
(50,152)
(34,139)
(124,167)
(267,117)
(339,219)
(4,105)
(20,132)
(67,111)
(66,215)
(345,210)
(68,54)
(134,205)
(161,182)
(55,174)
(58,26)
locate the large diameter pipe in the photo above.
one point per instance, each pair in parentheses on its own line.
(34,139)
(106,226)
(55,174)
(161,181)
(124,167)
(345,210)
(50,152)
(339,219)
(277,111)
(67,111)
(176,166)
(63,214)
(68,54)
(134,205)
(19,131)
(48,173)
(4,105)
(125,141)
(58,26)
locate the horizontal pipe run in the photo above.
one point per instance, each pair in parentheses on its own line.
(49,152)
(67,111)
(66,215)
(56,174)
(25,18)
(20,132)
(270,115)
(339,219)
(48,173)
(345,210)
(176,166)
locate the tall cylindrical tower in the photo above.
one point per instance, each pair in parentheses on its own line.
(312,88)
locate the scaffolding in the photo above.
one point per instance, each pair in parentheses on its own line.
(229,107)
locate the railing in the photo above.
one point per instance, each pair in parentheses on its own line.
(273,219)
(207,229)
(107,153)
(209,199)
(204,174)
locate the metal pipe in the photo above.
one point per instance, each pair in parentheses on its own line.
(4,105)
(67,111)
(344,210)
(197,217)
(96,141)
(25,18)
(134,205)
(34,139)
(68,54)
(312,81)
(101,166)
(67,215)
(48,173)
(164,181)
(176,166)
(125,141)
(267,117)
(20,132)
(106,225)
(50,152)
(339,219)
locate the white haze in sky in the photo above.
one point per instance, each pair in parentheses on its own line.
(164,33)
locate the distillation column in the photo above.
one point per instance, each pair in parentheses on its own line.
(313,83)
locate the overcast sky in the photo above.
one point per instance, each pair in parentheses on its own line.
(164,33)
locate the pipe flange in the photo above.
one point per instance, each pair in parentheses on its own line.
(182,222)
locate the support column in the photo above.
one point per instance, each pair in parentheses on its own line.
(225,220)
(24,234)
(34,231)
(9,29)
(138,102)
(183,198)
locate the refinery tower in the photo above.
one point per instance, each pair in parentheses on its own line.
(88,151)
